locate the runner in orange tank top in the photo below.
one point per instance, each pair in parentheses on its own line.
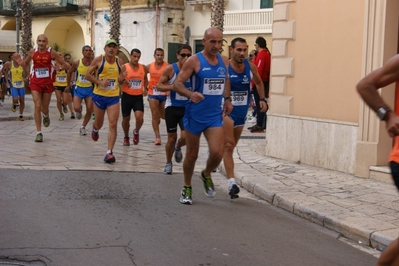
(156,98)
(134,84)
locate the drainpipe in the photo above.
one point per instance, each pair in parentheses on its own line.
(156,22)
(91,22)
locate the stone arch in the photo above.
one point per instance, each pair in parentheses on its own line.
(124,54)
(10,25)
(68,34)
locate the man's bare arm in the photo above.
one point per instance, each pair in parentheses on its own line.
(163,80)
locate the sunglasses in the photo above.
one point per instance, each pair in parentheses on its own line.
(185,55)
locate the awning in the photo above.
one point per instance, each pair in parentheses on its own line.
(8,39)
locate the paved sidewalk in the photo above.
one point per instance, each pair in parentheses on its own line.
(364,210)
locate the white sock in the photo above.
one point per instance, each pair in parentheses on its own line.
(109,151)
(231,181)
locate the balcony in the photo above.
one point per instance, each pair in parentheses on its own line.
(45,7)
(248,21)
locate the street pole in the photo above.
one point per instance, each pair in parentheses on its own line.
(18,23)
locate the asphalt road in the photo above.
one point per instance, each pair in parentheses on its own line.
(73,218)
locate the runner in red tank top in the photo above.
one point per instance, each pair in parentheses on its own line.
(41,83)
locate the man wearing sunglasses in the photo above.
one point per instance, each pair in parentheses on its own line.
(204,112)
(174,108)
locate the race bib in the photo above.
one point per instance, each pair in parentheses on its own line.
(61,79)
(156,92)
(180,97)
(111,85)
(83,79)
(18,84)
(134,84)
(213,86)
(239,98)
(42,73)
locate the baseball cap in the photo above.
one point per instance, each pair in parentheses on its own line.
(110,41)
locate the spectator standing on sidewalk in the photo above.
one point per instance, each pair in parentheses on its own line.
(241,72)
(367,88)
(156,98)
(106,93)
(174,108)
(262,61)
(16,78)
(135,82)
(83,88)
(204,112)
(41,80)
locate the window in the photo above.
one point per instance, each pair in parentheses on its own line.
(266,3)
(198,46)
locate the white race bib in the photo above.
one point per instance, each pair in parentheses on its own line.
(134,84)
(82,79)
(111,85)
(42,72)
(61,79)
(156,92)
(18,84)
(239,98)
(180,97)
(213,86)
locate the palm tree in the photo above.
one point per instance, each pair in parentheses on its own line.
(26,26)
(217,14)
(115,24)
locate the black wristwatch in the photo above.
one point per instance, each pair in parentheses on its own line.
(227,98)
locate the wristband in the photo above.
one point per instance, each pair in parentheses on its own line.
(227,98)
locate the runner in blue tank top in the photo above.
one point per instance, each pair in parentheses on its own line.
(241,71)
(204,112)
(175,107)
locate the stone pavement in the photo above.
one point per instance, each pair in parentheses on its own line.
(363,210)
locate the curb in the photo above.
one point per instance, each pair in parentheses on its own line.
(350,230)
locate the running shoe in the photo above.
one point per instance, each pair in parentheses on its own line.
(257,129)
(39,137)
(46,120)
(178,155)
(94,135)
(79,114)
(168,168)
(82,131)
(64,108)
(61,117)
(136,137)
(186,196)
(72,115)
(158,141)
(233,191)
(208,185)
(13,108)
(109,158)
(21,118)
(126,141)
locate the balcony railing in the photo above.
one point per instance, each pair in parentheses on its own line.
(44,7)
(248,21)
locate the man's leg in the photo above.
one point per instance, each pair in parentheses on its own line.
(229,144)
(154,104)
(192,149)
(113,115)
(215,139)
(37,100)
(390,256)
(58,95)
(89,110)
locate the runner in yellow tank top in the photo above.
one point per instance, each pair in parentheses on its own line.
(156,98)
(60,83)
(83,89)
(106,93)
(16,83)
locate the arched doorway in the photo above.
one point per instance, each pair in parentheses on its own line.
(124,54)
(67,34)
